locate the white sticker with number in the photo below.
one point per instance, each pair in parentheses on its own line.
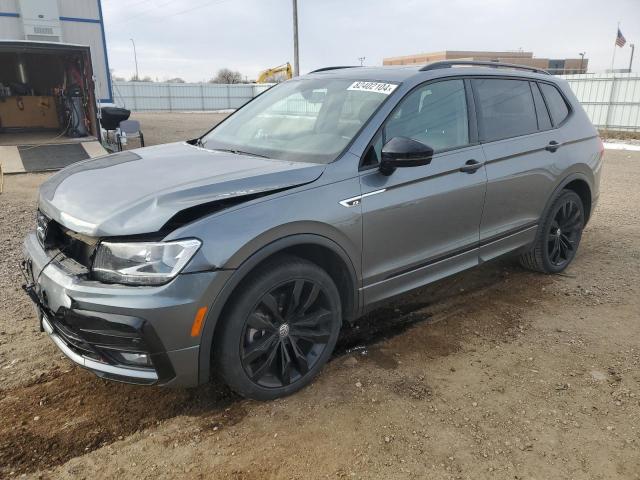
(384,88)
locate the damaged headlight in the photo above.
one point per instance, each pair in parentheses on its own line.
(142,263)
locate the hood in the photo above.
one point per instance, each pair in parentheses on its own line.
(138,191)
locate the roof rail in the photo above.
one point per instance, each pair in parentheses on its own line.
(325,69)
(453,63)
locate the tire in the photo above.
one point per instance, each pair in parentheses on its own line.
(279,330)
(558,236)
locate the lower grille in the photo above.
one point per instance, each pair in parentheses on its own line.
(96,337)
(76,342)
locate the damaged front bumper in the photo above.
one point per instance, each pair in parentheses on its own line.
(130,334)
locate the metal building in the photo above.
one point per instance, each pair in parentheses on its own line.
(77,22)
(54,74)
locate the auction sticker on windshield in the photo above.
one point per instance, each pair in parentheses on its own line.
(384,88)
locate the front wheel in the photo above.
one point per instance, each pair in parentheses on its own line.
(558,235)
(280,329)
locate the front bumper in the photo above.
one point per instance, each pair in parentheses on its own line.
(93,323)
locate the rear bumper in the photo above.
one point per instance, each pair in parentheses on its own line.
(101,327)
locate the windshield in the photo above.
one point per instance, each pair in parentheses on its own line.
(307,120)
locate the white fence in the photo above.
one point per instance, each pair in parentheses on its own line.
(612,100)
(168,97)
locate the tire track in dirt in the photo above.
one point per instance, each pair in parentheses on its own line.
(69,414)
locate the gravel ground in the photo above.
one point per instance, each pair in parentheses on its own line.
(494,373)
(173,127)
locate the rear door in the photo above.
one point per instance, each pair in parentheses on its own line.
(521,161)
(422,223)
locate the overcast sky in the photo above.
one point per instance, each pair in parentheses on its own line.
(192,39)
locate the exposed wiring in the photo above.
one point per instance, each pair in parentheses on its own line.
(51,260)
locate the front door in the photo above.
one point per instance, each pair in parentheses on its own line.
(422,223)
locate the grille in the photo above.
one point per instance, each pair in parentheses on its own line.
(43,30)
(53,236)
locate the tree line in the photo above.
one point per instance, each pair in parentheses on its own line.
(224,75)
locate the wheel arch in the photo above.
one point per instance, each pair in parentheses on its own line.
(583,190)
(578,183)
(315,248)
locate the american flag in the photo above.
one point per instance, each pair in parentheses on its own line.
(620,40)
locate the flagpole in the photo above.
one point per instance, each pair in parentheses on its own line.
(613,57)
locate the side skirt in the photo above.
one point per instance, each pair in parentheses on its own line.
(444,266)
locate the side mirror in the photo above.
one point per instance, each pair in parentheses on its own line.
(404,152)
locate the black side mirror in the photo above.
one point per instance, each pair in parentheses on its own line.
(404,152)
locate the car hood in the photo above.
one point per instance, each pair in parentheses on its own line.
(138,191)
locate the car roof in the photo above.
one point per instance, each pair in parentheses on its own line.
(402,73)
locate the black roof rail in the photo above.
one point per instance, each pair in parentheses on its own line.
(453,63)
(325,69)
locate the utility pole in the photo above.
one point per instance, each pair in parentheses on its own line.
(135,57)
(362,59)
(633,49)
(296,57)
(582,54)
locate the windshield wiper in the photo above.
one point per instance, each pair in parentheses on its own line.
(239,152)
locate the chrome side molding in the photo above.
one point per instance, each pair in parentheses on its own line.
(355,201)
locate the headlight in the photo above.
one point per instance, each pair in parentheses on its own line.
(142,263)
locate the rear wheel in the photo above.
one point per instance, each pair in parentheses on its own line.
(279,330)
(558,236)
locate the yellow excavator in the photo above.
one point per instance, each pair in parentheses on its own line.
(267,76)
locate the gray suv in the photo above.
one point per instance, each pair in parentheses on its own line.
(241,253)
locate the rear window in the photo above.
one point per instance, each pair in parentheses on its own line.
(505,108)
(555,102)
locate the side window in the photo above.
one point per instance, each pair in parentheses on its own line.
(435,114)
(505,108)
(544,121)
(557,106)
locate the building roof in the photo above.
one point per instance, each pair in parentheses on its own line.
(454,54)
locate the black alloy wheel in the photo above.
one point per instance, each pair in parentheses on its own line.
(564,233)
(279,329)
(558,235)
(286,333)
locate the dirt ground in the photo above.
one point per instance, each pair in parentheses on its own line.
(172,127)
(494,373)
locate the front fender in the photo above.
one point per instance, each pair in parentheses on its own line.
(224,294)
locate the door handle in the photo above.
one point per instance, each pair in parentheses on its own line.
(552,147)
(471,166)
